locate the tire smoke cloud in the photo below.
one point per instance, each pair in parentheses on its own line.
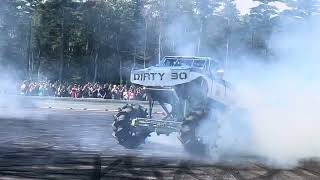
(281,100)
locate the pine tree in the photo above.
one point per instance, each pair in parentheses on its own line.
(262,21)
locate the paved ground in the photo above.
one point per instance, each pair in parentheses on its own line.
(72,140)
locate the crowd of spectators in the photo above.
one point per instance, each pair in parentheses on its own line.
(88,90)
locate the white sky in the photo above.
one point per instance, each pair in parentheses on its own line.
(245,5)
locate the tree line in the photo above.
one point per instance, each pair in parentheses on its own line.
(102,40)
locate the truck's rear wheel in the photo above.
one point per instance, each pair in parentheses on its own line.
(126,134)
(188,132)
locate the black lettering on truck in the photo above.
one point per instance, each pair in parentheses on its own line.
(174,76)
(136,76)
(161,76)
(146,76)
(152,75)
(182,75)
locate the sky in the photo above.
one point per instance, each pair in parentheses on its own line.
(245,5)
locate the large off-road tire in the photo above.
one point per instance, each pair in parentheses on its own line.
(188,132)
(126,134)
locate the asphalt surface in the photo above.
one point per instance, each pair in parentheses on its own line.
(52,139)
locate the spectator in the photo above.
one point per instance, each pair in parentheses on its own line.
(41,90)
(125,94)
(95,91)
(88,90)
(79,92)
(74,91)
(24,88)
(131,95)
(85,91)
(103,91)
(114,92)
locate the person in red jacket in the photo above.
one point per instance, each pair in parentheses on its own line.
(74,91)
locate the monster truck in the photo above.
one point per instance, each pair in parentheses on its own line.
(187,89)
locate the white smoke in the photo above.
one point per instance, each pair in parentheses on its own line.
(281,100)
(181,38)
(11,104)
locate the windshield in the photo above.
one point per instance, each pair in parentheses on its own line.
(175,62)
(181,62)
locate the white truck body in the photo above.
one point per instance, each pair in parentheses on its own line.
(171,76)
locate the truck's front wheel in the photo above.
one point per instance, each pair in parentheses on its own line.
(126,134)
(188,132)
